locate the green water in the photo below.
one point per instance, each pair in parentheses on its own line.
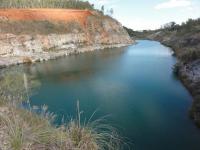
(134,85)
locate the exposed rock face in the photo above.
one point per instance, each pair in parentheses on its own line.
(190,75)
(98,32)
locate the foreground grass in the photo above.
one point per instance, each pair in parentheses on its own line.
(25,129)
(33,129)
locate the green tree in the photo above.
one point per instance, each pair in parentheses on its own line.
(102,9)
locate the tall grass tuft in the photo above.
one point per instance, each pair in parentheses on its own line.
(26,129)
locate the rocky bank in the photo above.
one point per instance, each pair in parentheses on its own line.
(29,39)
(187,49)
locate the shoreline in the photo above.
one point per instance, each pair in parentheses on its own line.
(189,75)
(9,60)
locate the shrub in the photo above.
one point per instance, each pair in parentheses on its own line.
(189,55)
(176,69)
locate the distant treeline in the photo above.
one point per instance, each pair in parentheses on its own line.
(191,25)
(75,4)
(138,34)
(183,38)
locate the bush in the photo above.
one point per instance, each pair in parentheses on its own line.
(189,55)
(176,69)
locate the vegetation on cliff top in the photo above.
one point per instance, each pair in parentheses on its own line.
(75,4)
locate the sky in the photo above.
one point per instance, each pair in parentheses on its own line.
(150,14)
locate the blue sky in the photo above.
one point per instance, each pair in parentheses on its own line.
(150,14)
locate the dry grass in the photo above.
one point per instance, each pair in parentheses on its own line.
(26,129)
(32,128)
(39,27)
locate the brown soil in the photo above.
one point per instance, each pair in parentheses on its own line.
(64,15)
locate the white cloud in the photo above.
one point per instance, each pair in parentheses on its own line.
(104,2)
(138,23)
(173,4)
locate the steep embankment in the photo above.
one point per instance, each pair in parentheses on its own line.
(186,45)
(29,35)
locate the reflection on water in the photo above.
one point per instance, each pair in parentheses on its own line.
(70,68)
(134,85)
(16,85)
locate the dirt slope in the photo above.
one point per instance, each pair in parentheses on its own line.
(64,15)
(30,35)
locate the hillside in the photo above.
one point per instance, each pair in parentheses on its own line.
(184,39)
(29,35)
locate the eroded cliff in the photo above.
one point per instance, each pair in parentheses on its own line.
(29,35)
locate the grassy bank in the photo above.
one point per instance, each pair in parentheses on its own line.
(33,128)
(26,129)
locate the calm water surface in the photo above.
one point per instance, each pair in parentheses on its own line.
(134,85)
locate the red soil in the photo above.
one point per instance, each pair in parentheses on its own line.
(65,15)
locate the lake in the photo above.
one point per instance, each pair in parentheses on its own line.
(134,85)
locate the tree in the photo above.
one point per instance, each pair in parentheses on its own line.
(171,26)
(111,11)
(102,9)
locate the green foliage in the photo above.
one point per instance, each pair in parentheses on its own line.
(189,55)
(191,25)
(137,34)
(176,69)
(184,39)
(75,4)
(171,26)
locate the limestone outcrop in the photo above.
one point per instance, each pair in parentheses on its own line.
(37,40)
